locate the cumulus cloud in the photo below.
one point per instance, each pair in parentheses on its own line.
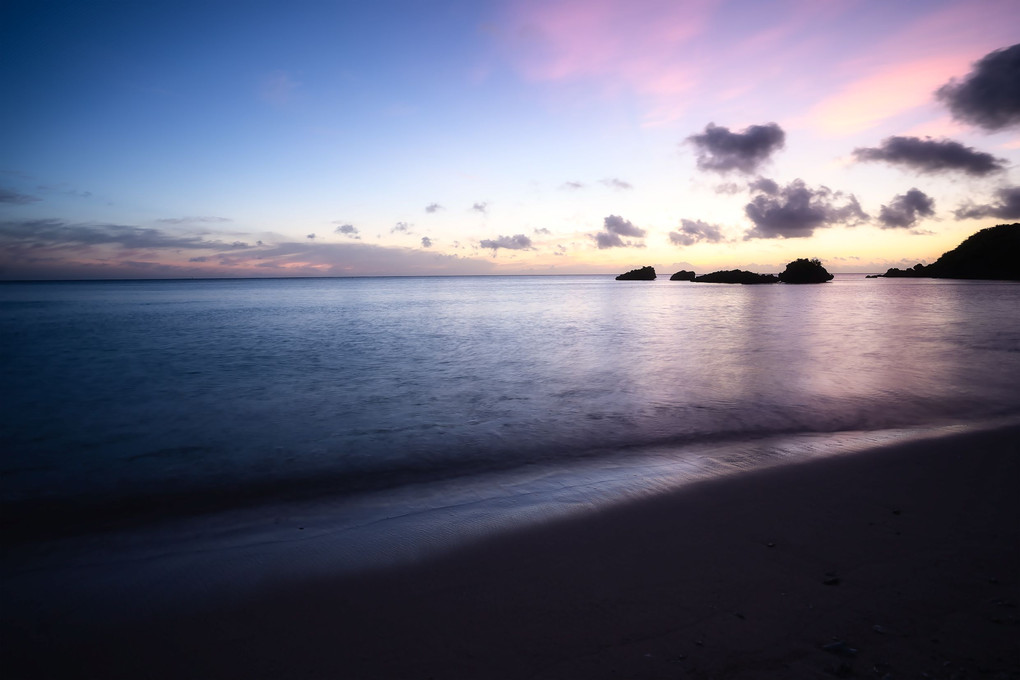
(481,207)
(15,198)
(694,231)
(515,242)
(615,227)
(616,183)
(719,150)
(426,242)
(905,210)
(310,236)
(931,155)
(348,230)
(1008,207)
(765,186)
(796,210)
(433,207)
(401,227)
(542,231)
(989,96)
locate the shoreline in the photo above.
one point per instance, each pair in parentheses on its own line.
(908,554)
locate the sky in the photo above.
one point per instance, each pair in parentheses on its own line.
(148,139)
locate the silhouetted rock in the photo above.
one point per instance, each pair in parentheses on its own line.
(992,253)
(682,275)
(643,274)
(736,276)
(805,271)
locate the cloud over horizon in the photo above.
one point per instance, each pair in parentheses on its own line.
(616,227)
(34,249)
(988,96)
(348,230)
(695,231)
(905,210)
(1008,207)
(515,242)
(796,210)
(719,150)
(931,156)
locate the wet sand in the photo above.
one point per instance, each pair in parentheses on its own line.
(894,562)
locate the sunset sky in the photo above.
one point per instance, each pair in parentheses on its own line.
(181,139)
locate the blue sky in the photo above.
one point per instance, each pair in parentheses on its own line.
(152,139)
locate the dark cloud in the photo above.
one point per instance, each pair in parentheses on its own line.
(426,242)
(693,231)
(616,227)
(481,207)
(989,96)
(906,209)
(401,227)
(931,155)
(433,207)
(616,183)
(765,186)
(516,242)
(189,220)
(15,198)
(348,230)
(572,186)
(542,231)
(796,210)
(1008,207)
(720,150)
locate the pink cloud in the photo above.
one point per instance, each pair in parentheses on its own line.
(902,68)
(635,45)
(868,101)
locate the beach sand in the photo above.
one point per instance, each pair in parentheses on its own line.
(900,562)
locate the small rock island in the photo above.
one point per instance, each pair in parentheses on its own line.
(682,275)
(992,253)
(736,276)
(642,274)
(805,271)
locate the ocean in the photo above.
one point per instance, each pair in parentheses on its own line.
(365,420)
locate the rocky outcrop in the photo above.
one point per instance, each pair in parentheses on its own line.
(736,276)
(805,271)
(682,275)
(992,253)
(643,274)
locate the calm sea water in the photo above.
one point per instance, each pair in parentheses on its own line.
(403,408)
(125,387)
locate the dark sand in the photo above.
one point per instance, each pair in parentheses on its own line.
(903,561)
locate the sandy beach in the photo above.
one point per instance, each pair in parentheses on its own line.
(901,562)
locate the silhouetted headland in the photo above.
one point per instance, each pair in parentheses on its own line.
(804,270)
(736,276)
(682,275)
(992,253)
(642,274)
